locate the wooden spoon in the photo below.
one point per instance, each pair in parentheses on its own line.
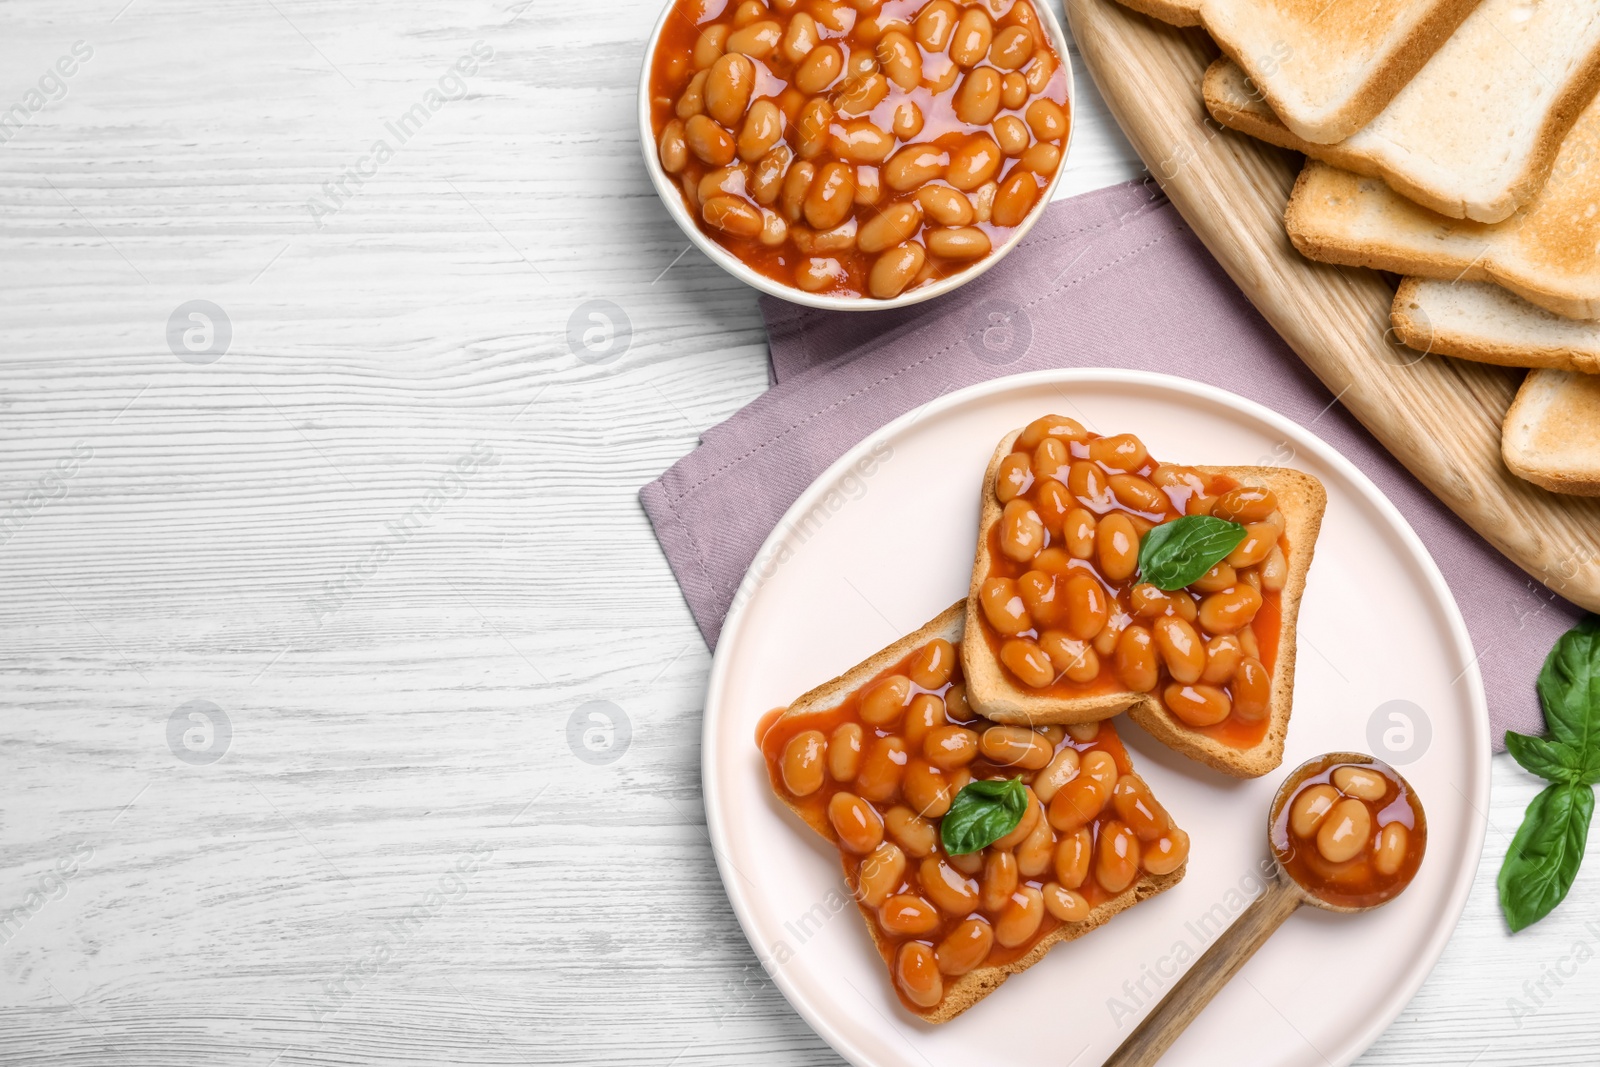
(1283,895)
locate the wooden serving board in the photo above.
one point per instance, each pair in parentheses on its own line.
(1439,416)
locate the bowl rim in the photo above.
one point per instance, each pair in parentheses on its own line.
(672,197)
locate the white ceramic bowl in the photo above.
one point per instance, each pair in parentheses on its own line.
(672,197)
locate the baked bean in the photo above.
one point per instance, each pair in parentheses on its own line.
(880,874)
(1223,656)
(844,752)
(1083,732)
(1136,659)
(1055,733)
(1015,198)
(708,141)
(973,35)
(728,86)
(724,181)
(949,207)
(1081,800)
(674,150)
(965,947)
(1118,544)
(1037,850)
(1074,853)
(974,163)
(1248,644)
(1219,577)
(1105,642)
(1053,561)
(1068,431)
(1121,452)
(1088,483)
(1021,529)
(967,242)
(1252,690)
(914,165)
(1230,610)
(1011,134)
(800,38)
(895,269)
(831,196)
(862,92)
(1031,816)
(951,891)
(1245,504)
(811,128)
(948,747)
(884,701)
(1197,705)
(1259,540)
(1166,853)
(1086,606)
(1065,904)
(835,16)
(907,120)
(1039,71)
(1013,91)
(860,141)
(1061,769)
(796,184)
(916,972)
(1185,480)
(819,70)
(1345,831)
(803,762)
(859,827)
(1025,659)
(1274,571)
(1038,592)
(1078,530)
(1117,857)
(955,704)
(763,125)
(931,667)
(1180,647)
(708,46)
(999,880)
(900,60)
(935,25)
(925,714)
(732,216)
(910,831)
(882,768)
(1070,656)
(1393,840)
(842,238)
(1012,47)
(758,40)
(1137,807)
(1015,746)
(1148,602)
(773,229)
(1021,917)
(1014,476)
(1136,494)
(894,224)
(1311,807)
(1251,576)
(968,863)
(904,915)
(1049,457)
(978,100)
(926,790)
(1054,502)
(1360,783)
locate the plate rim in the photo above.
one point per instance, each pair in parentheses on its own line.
(1477,743)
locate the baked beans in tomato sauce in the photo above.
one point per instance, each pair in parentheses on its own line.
(864,148)
(879,771)
(1062,605)
(1351,833)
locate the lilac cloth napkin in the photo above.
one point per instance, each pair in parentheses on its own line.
(1127,285)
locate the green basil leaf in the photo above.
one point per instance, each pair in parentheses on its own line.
(1181,551)
(983,813)
(1569,687)
(1545,854)
(1550,760)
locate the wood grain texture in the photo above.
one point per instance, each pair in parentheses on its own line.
(1441,417)
(263,910)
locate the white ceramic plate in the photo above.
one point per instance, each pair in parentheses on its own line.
(883,542)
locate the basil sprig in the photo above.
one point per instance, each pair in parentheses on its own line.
(983,813)
(1181,551)
(1548,849)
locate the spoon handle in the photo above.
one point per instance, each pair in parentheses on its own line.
(1152,1037)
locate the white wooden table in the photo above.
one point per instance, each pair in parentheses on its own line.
(379,520)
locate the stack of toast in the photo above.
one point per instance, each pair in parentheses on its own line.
(1457,145)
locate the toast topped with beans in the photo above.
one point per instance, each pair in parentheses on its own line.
(883,760)
(1106,581)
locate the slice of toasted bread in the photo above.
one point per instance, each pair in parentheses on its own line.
(1545,253)
(1551,435)
(1327,66)
(992,691)
(963,992)
(1487,324)
(1475,132)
